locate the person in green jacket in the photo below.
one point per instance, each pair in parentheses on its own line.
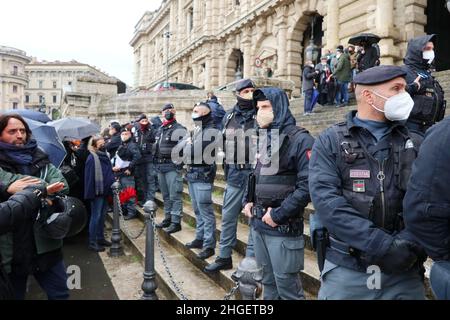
(28,249)
(343,74)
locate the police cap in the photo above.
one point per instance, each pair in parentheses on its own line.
(244,84)
(377,75)
(168,106)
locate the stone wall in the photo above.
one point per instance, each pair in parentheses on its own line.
(129,106)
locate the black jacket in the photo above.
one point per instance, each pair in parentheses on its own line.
(144,140)
(113,144)
(128,151)
(429,103)
(293,154)
(204,136)
(20,208)
(427,201)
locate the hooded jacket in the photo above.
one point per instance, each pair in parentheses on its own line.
(426,110)
(293,151)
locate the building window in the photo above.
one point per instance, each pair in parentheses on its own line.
(27,99)
(15,70)
(69,83)
(41,84)
(54,99)
(41,99)
(190,19)
(15,105)
(237,2)
(14,89)
(54,84)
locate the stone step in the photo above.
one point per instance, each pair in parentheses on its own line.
(194,284)
(310,276)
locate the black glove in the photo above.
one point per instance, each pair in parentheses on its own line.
(40,190)
(400,257)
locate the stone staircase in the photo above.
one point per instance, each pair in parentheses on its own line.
(187,268)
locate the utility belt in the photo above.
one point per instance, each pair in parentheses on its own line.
(293,227)
(163,160)
(245,166)
(342,247)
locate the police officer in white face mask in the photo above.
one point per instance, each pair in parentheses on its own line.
(359,170)
(425,90)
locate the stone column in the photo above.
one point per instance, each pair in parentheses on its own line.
(246,43)
(222,65)
(281,51)
(332,34)
(384,21)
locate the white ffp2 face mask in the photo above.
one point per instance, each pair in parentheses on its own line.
(398,107)
(429,55)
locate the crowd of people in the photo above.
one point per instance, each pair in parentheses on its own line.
(360,174)
(332,78)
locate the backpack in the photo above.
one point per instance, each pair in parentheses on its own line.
(217,112)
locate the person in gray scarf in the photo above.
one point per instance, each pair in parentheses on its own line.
(98,179)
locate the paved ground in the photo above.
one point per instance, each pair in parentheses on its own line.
(95,282)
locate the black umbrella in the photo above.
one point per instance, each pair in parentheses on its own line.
(368,38)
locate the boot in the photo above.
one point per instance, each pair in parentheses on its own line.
(96,247)
(104,243)
(220,264)
(206,253)
(196,244)
(164,224)
(174,227)
(130,217)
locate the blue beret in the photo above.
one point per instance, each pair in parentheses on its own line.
(167,107)
(244,84)
(377,75)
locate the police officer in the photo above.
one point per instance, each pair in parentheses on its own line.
(428,95)
(169,173)
(359,170)
(238,166)
(427,204)
(124,170)
(200,176)
(144,136)
(280,195)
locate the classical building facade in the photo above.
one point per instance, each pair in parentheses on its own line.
(50,83)
(210,43)
(13,78)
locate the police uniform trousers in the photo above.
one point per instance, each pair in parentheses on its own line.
(340,283)
(201,198)
(232,207)
(171,185)
(146,181)
(282,259)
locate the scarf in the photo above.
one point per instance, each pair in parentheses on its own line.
(144,127)
(98,173)
(22,155)
(167,122)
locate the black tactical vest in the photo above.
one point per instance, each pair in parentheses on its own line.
(373,187)
(164,143)
(238,143)
(429,103)
(272,188)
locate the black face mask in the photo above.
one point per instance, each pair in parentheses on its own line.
(244,103)
(102,149)
(204,119)
(168,115)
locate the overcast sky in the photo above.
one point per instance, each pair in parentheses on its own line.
(96,32)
